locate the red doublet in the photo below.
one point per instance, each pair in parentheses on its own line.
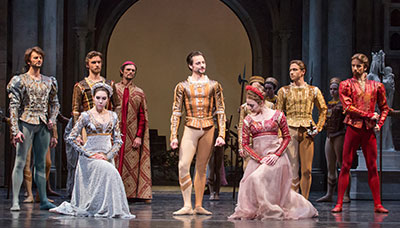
(359,106)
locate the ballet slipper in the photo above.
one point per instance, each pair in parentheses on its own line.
(380,209)
(184,211)
(29,199)
(201,211)
(338,208)
(15,207)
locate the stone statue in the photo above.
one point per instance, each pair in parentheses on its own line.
(388,82)
(378,67)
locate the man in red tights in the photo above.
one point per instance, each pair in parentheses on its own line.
(359,97)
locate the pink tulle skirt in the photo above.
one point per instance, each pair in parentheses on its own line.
(265,191)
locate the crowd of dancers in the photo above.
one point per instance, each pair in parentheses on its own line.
(108,147)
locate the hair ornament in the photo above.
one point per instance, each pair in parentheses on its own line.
(255,90)
(102,85)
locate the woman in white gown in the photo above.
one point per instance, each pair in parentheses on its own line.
(98,189)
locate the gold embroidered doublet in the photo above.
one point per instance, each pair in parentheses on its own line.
(199,98)
(298,102)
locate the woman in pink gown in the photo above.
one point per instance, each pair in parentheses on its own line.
(265,189)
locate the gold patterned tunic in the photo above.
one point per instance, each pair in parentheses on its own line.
(298,102)
(199,98)
(32,101)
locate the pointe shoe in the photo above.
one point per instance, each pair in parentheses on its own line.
(201,211)
(380,209)
(28,199)
(184,211)
(15,207)
(337,209)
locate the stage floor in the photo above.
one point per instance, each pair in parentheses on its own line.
(359,213)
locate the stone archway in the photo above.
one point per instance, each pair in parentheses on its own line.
(158,39)
(258,36)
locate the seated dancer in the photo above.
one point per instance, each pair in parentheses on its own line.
(243,112)
(98,189)
(265,189)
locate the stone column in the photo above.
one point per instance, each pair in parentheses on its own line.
(314,69)
(377,25)
(4,72)
(81,33)
(25,22)
(315,42)
(340,16)
(276,55)
(49,45)
(284,35)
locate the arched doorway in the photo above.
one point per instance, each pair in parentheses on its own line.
(158,35)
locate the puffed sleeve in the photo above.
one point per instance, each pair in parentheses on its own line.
(54,105)
(246,135)
(116,102)
(116,136)
(322,109)
(220,110)
(76,102)
(347,101)
(382,104)
(280,101)
(15,93)
(176,110)
(285,134)
(82,122)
